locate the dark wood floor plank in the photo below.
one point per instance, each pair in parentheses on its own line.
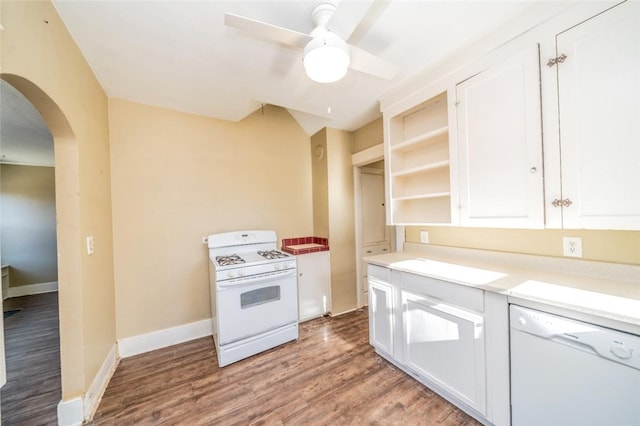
(330,375)
(32,354)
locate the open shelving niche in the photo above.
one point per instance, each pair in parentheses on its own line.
(419,166)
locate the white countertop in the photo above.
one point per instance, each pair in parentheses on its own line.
(605,290)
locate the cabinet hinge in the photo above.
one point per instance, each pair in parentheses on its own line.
(561,202)
(553,61)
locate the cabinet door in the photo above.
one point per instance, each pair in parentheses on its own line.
(314,280)
(599,103)
(374,226)
(500,145)
(445,345)
(381,321)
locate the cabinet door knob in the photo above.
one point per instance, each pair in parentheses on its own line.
(533,169)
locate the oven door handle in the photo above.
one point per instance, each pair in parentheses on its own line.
(244,281)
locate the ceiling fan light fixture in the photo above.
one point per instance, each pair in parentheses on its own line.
(326,58)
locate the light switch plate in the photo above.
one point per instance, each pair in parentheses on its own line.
(424,237)
(90,247)
(572,247)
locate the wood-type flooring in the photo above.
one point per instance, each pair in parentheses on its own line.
(32,353)
(329,376)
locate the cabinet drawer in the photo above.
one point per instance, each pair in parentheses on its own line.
(456,294)
(377,249)
(379,272)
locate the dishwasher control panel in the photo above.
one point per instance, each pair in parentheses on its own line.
(601,341)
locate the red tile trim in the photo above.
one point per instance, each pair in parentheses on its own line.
(286,242)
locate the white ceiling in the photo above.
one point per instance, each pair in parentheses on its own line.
(180,55)
(24,137)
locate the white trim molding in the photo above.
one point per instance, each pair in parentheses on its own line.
(130,346)
(25,290)
(99,385)
(70,412)
(368,156)
(76,411)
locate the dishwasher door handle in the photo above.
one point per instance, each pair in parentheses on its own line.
(570,340)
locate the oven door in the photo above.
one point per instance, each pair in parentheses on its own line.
(251,307)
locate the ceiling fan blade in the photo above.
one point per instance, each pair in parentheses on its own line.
(375,10)
(267,31)
(347,15)
(370,64)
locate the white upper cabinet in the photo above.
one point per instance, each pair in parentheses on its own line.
(543,131)
(500,145)
(599,121)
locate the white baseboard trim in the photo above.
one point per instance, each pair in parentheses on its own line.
(25,290)
(93,396)
(70,412)
(76,411)
(130,346)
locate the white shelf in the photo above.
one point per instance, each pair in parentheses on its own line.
(421,139)
(417,145)
(422,168)
(423,196)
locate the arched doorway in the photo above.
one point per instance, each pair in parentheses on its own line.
(68,233)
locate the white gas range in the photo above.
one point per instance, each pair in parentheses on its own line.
(254,299)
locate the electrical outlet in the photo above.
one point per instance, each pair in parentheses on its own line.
(572,247)
(424,237)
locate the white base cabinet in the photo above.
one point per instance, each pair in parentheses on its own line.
(314,285)
(381,311)
(370,250)
(445,345)
(450,337)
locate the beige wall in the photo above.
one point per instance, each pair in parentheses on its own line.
(342,221)
(333,211)
(40,59)
(177,177)
(28,223)
(320,184)
(368,135)
(607,246)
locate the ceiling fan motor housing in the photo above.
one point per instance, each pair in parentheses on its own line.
(326,56)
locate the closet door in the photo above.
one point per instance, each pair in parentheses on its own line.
(500,145)
(374,226)
(599,103)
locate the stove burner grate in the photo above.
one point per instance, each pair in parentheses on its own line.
(233,259)
(272,254)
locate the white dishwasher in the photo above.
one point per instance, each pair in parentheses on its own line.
(567,372)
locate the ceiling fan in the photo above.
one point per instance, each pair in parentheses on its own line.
(327,56)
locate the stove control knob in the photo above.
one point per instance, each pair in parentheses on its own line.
(241,272)
(231,273)
(277,266)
